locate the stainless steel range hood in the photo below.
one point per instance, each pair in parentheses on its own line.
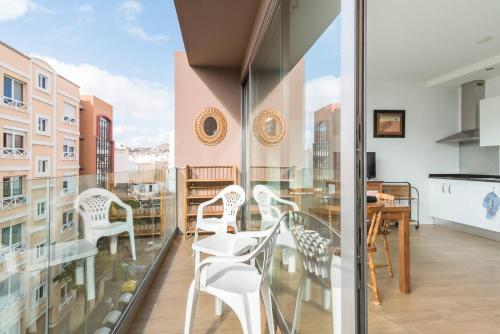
(471,93)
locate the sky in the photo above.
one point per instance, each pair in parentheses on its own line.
(119,50)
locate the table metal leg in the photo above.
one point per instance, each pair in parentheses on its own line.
(404,254)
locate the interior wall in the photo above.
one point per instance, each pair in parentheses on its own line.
(431,114)
(492,88)
(195,90)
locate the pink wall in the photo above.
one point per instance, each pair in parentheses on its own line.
(196,89)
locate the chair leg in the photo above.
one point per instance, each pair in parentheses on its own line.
(131,237)
(298,303)
(388,256)
(190,308)
(306,291)
(114,244)
(218,307)
(265,290)
(195,237)
(373,278)
(291,261)
(252,311)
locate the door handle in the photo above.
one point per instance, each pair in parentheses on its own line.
(442,188)
(449,189)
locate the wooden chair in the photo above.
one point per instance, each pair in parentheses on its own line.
(371,248)
(384,230)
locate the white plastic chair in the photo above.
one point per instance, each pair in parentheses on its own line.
(93,205)
(237,283)
(270,214)
(233,197)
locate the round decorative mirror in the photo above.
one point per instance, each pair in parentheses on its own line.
(269,127)
(210,126)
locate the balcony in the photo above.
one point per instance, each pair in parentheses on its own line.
(12,299)
(69,156)
(14,104)
(12,202)
(67,299)
(69,120)
(14,153)
(14,249)
(68,227)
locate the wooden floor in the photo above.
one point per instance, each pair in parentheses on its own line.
(455,289)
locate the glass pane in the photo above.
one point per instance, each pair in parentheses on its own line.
(19,141)
(4,288)
(294,145)
(15,282)
(8,140)
(6,237)
(7,86)
(16,233)
(18,91)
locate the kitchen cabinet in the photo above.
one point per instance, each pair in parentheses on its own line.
(489,118)
(461,201)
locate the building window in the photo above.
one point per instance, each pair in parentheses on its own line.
(69,113)
(43,81)
(41,209)
(11,236)
(10,286)
(40,250)
(103,154)
(42,167)
(68,184)
(69,149)
(13,91)
(68,223)
(39,293)
(43,125)
(12,186)
(13,141)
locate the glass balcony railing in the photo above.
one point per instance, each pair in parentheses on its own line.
(75,256)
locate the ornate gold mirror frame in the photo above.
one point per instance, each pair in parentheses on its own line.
(210,126)
(269,127)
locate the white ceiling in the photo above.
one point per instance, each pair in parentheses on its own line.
(423,40)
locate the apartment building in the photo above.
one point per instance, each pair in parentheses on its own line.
(39,164)
(96,139)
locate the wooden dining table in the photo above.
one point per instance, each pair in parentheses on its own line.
(393,212)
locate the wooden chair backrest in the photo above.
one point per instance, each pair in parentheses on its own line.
(385,197)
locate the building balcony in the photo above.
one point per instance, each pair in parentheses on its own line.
(67,300)
(12,299)
(12,202)
(69,120)
(69,156)
(13,104)
(68,227)
(15,249)
(14,153)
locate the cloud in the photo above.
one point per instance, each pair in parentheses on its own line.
(143,109)
(85,8)
(130,10)
(14,9)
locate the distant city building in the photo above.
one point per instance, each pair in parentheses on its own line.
(326,149)
(96,138)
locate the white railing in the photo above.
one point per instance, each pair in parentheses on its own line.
(16,248)
(67,299)
(68,226)
(69,120)
(12,298)
(14,153)
(70,156)
(10,102)
(13,202)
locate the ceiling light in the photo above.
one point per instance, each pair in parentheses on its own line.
(483,39)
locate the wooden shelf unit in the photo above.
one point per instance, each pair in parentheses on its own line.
(278,179)
(203,183)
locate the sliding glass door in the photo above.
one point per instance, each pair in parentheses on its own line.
(301,144)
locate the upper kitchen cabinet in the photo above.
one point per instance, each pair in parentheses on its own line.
(489,117)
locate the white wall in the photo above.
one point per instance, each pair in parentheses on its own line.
(492,88)
(431,114)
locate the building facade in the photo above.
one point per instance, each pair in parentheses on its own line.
(39,166)
(96,138)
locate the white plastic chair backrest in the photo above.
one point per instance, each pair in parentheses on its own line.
(267,247)
(264,197)
(233,197)
(313,249)
(93,204)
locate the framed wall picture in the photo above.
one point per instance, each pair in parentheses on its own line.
(389,124)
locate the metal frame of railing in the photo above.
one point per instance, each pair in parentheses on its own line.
(69,155)
(13,202)
(14,153)
(12,298)
(8,101)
